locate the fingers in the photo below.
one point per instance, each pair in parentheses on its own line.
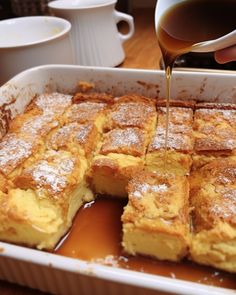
(226,55)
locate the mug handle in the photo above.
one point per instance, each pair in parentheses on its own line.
(119,16)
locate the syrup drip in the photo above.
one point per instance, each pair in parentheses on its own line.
(168,84)
(184,25)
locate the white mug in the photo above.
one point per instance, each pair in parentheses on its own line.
(32,41)
(95,36)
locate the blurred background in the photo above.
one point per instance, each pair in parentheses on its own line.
(141,10)
(14,8)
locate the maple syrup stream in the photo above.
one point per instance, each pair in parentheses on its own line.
(185,24)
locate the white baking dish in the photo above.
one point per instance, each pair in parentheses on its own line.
(62,275)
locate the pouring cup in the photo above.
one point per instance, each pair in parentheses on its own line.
(205,46)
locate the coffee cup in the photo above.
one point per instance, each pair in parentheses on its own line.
(96,39)
(32,41)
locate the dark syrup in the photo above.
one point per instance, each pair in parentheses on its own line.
(190,22)
(187,23)
(96,235)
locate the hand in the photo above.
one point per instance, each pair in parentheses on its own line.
(226,55)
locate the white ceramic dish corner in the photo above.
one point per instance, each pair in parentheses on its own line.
(62,275)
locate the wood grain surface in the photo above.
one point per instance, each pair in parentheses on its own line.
(142,50)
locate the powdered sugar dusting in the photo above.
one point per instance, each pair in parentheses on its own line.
(227,211)
(39,125)
(125,137)
(128,141)
(216,130)
(52,174)
(131,114)
(230,195)
(219,115)
(176,141)
(226,176)
(85,111)
(180,130)
(83,133)
(54,103)
(13,151)
(178,115)
(72,131)
(144,188)
(224,204)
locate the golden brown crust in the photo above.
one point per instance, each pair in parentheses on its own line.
(213,190)
(5,119)
(41,158)
(3,183)
(19,120)
(42,188)
(177,103)
(215,105)
(212,196)
(93,97)
(179,118)
(135,98)
(84,112)
(179,132)
(73,135)
(156,218)
(15,149)
(151,198)
(51,104)
(215,130)
(54,173)
(129,141)
(179,142)
(132,111)
(39,125)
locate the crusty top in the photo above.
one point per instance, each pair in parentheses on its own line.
(53,103)
(157,199)
(38,125)
(94,97)
(132,111)
(14,150)
(135,98)
(75,135)
(130,141)
(54,172)
(215,130)
(177,103)
(84,112)
(213,194)
(215,105)
(179,130)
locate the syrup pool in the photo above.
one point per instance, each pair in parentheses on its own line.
(96,235)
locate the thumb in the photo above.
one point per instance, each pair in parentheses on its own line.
(226,55)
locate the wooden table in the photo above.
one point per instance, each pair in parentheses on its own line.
(142,52)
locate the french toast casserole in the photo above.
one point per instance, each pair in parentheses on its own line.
(64,150)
